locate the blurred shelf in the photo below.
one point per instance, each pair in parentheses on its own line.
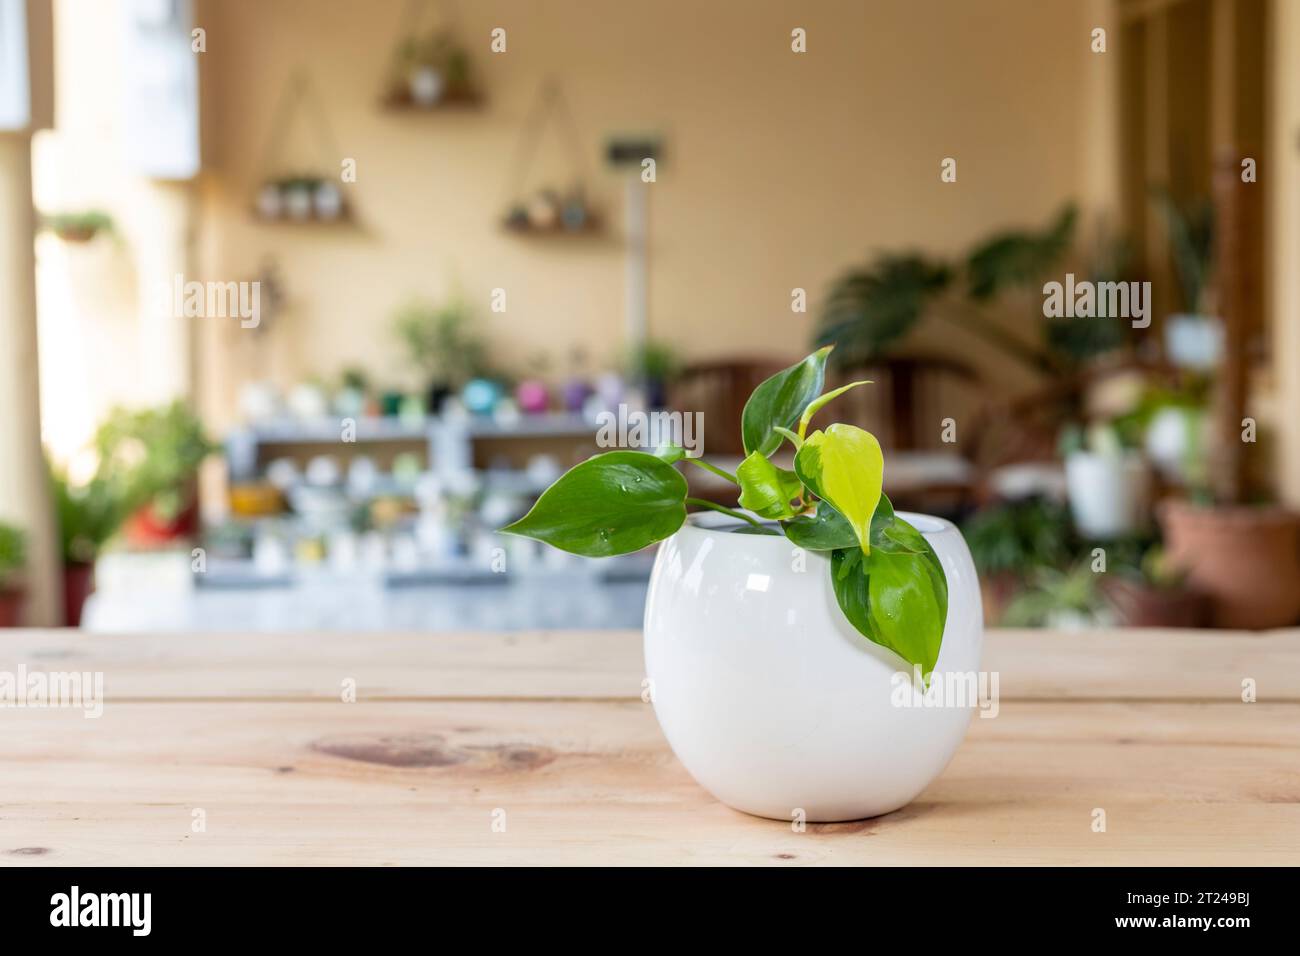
(305,431)
(459,101)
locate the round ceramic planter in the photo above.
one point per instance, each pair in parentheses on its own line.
(772,700)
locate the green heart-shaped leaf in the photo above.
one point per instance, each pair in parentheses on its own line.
(845,466)
(899,601)
(820,402)
(894,535)
(780,400)
(827,530)
(766,489)
(614,503)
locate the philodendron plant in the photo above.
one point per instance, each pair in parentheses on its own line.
(886,576)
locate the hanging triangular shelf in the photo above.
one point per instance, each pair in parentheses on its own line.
(429,69)
(301,197)
(548,212)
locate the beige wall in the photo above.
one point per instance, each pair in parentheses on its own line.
(782,169)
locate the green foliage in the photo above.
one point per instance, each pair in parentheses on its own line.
(1019,537)
(78,225)
(871,308)
(1052,595)
(766,489)
(1190,226)
(779,401)
(88,515)
(614,503)
(1018,258)
(150,456)
(887,579)
(845,466)
(653,362)
(899,601)
(13,553)
(440,343)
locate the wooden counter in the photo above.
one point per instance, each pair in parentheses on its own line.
(546,732)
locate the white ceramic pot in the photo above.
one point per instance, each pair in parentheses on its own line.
(426,85)
(1108,493)
(298,203)
(270,204)
(328,201)
(768,695)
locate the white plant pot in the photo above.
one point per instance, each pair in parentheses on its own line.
(298,203)
(426,85)
(772,700)
(1194,341)
(1173,438)
(328,201)
(1108,493)
(270,204)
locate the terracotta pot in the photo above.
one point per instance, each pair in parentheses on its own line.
(1246,559)
(996,592)
(1139,605)
(145,529)
(78,583)
(11,606)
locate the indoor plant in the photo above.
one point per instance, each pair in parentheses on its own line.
(1108,482)
(653,366)
(78,226)
(13,557)
(89,514)
(440,344)
(780,637)
(1245,556)
(151,457)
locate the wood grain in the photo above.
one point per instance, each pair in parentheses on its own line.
(593,782)
(549,729)
(541,665)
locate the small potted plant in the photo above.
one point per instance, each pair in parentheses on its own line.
(79,226)
(1156,594)
(441,346)
(1011,541)
(298,194)
(789,641)
(89,515)
(429,70)
(13,558)
(1108,482)
(151,457)
(652,366)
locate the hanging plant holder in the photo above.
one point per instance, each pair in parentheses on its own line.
(430,68)
(295,196)
(550,211)
(78,226)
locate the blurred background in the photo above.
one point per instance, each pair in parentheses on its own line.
(300,299)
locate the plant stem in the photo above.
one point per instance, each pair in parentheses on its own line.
(701,503)
(713,468)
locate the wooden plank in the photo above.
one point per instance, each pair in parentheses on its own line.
(1032,664)
(594,783)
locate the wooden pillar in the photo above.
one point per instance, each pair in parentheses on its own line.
(1282,170)
(1238,250)
(24,487)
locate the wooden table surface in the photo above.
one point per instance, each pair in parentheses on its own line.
(546,733)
